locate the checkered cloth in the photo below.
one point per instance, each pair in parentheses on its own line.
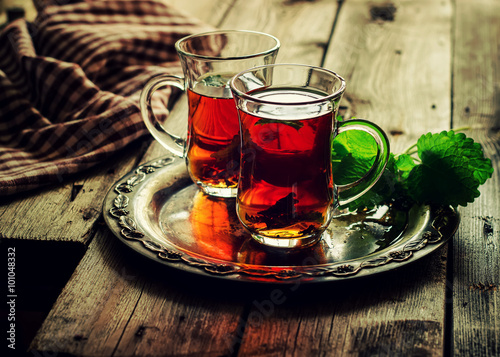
(70,84)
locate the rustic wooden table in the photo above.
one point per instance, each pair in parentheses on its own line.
(412,67)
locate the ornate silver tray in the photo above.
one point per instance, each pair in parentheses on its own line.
(157,211)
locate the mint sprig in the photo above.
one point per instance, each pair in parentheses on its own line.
(443,168)
(293,123)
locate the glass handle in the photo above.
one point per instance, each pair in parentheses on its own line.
(354,190)
(171,142)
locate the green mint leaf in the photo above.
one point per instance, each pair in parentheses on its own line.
(353,153)
(293,123)
(404,164)
(451,170)
(387,190)
(215,80)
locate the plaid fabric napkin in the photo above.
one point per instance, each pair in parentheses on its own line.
(70,84)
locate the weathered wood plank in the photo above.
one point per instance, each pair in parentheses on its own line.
(396,60)
(397,71)
(118,303)
(50,229)
(476,247)
(209,11)
(303,27)
(386,315)
(65,213)
(102,289)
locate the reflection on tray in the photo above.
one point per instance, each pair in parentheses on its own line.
(208,226)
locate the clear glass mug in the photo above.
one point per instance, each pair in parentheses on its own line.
(212,143)
(286,193)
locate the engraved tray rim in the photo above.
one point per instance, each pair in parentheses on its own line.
(119,216)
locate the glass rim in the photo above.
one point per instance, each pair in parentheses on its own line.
(215,58)
(328,97)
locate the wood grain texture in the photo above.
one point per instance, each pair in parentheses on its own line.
(396,60)
(209,11)
(380,316)
(65,213)
(476,247)
(397,70)
(117,303)
(303,27)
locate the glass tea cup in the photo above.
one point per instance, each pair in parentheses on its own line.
(286,193)
(211,147)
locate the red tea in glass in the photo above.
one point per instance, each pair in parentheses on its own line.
(286,188)
(213,142)
(286,193)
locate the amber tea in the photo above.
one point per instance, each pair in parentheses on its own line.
(286,194)
(213,142)
(286,187)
